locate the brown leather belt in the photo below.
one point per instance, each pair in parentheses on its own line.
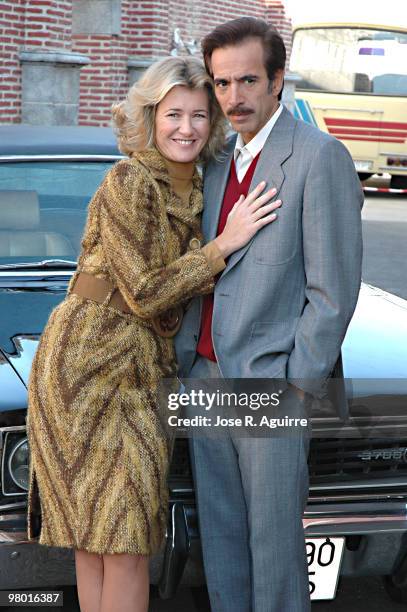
(98,289)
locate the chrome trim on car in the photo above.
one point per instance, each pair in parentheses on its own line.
(354,520)
(9,536)
(26,273)
(12,428)
(13,506)
(182,490)
(385,497)
(16,537)
(55,158)
(359,485)
(358,508)
(357,419)
(8,517)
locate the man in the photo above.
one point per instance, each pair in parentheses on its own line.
(280,310)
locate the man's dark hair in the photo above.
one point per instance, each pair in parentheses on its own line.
(238,30)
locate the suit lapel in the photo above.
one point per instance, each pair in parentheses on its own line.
(215,181)
(278,147)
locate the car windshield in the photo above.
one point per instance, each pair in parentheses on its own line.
(43,207)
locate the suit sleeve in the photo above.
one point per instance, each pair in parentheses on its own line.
(133,243)
(332,247)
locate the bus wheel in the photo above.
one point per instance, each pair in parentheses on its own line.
(398,182)
(363,176)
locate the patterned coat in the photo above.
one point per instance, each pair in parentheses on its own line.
(99,454)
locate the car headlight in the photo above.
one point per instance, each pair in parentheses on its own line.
(14,461)
(18,463)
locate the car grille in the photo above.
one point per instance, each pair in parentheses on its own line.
(333,464)
(339,460)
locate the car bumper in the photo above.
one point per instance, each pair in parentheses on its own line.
(375,536)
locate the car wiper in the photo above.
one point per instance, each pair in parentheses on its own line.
(46,264)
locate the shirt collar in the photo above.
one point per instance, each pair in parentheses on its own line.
(255,145)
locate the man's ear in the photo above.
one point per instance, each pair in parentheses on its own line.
(277,83)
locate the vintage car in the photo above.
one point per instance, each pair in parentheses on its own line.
(355,520)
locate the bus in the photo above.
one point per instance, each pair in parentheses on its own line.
(352,83)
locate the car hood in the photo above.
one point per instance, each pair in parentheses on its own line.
(375,345)
(374,351)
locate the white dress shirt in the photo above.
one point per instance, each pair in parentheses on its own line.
(245,154)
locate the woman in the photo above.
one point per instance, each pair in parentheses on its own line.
(99,454)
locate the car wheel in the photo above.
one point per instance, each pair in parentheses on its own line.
(395,592)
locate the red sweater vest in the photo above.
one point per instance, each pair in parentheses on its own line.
(233,191)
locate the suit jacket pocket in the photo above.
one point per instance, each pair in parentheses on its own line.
(275,336)
(277,243)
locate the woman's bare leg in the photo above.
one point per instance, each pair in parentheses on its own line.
(89,580)
(125,583)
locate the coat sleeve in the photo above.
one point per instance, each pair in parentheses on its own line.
(332,247)
(133,243)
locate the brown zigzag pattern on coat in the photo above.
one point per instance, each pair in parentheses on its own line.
(97,493)
(48,482)
(144,514)
(97,418)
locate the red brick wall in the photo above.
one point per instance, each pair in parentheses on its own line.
(11,38)
(105,80)
(32,25)
(275,14)
(146,32)
(47,24)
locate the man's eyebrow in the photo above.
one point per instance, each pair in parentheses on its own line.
(254,77)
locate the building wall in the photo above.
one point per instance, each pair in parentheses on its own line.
(109,32)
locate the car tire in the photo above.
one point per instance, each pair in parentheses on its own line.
(395,592)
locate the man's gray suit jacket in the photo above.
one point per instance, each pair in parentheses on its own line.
(283,303)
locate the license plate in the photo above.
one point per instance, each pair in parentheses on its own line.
(324,556)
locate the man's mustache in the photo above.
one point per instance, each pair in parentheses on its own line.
(239,110)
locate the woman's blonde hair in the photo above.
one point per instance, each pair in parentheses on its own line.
(134,118)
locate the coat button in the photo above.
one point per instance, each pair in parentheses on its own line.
(194,244)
